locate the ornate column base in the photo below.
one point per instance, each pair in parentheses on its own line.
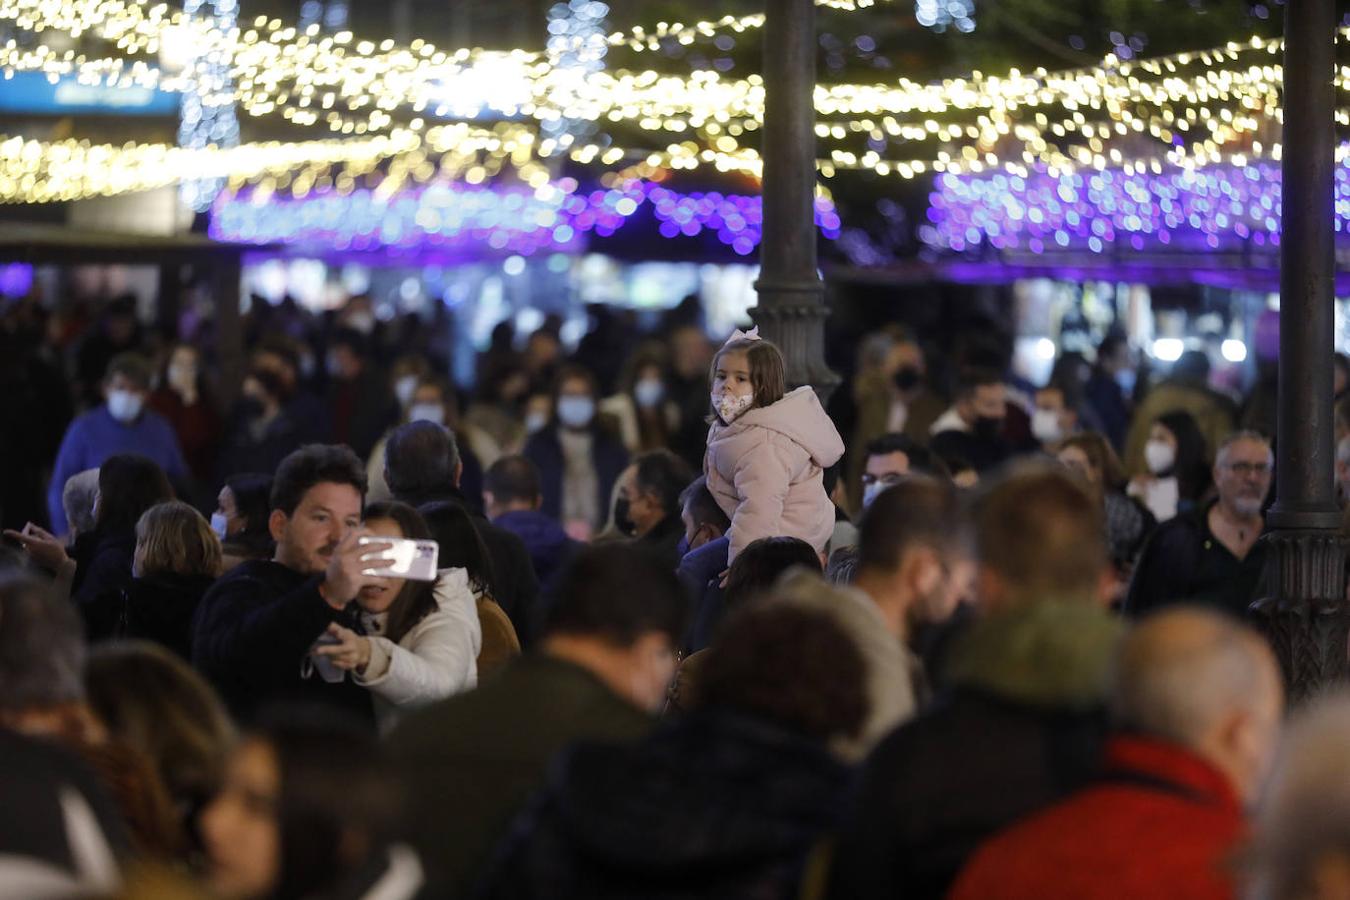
(1306,618)
(792,315)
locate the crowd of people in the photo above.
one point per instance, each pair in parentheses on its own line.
(691,632)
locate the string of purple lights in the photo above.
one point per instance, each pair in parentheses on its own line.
(1218,206)
(493,220)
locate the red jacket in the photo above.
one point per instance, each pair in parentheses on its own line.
(1160,823)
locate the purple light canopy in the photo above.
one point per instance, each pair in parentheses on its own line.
(465,219)
(1218,206)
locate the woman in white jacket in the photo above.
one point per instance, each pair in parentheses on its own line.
(421,640)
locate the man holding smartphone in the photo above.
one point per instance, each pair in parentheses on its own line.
(258,625)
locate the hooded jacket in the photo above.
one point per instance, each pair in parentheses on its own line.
(1023,725)
(765,470)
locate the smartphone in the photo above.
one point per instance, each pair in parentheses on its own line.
(405,558)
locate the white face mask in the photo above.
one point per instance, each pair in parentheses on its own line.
(872,492)
(220,525)
(1159,456)
(427,412)
(1045,426)
(404,389)
(535,422)
(183,378)
(729,406)
(576,412)
(125,406)
(649,392)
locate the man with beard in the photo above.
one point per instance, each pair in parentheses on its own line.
(257,627)
(1212,556)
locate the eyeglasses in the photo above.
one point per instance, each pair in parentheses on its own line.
(1246,469)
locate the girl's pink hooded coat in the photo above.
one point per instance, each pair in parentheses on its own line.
(765,471)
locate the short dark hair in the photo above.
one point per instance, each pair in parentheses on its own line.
(574,372)
(416,601)
(128,485)
(971,379)
(315,464)
(664,475)
(352,339)
(759,566)
(792,666)
(420,458)
(917,511)
(618,592)
(921,459)
(132,366)
(461,546)
(702,506)
(513,479)
(1041,533)
(42,649)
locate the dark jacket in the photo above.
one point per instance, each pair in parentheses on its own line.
(544,449)
(1185,563)
(161,608)
(243,452)
(1110,406)
(102,575)
(1159,822)
(665,541)
(1021,726)
(361,411)
(713,805)
(514,585)
(252,638)
(549,547)
(471,762)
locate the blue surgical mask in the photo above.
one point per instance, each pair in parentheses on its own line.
(1125,380)
(220,525)
(125,406)
(576,412)
(427,412)
(649,392)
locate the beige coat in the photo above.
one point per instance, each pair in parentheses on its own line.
(765,471)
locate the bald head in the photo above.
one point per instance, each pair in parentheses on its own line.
(1205,681)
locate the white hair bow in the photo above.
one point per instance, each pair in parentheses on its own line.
(738,335)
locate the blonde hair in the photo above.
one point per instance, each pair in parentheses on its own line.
(173,537)
(768,372)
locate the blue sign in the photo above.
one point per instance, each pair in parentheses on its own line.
(32,92)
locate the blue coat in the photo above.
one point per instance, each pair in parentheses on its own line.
(95,436)
(544,449)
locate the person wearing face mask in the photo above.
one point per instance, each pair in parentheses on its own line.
(1177,475)
(240,519)
(264,429)
(599,673)
(646,415)
(578,460)
(418,641)
(892,458)
(889,395)
(973,428)
(1053,419)
(433,400)
(1110,389)
(1212,556)
(1186,389)
(121,425)
(182,399)
(648,507)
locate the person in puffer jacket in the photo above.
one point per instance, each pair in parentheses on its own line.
(421,640)
(768,448)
